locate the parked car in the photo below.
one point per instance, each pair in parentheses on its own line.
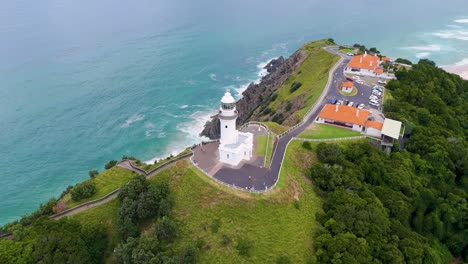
(382,81)
(373,97)
(351,104)
(378,88)
(376,93)
(373,101)
(355,77)
(340,102)
(361,106)
(350,54)
(350,79)
(374,104)
(346,102)
(333,101)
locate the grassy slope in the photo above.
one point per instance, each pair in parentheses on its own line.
(106,182)
(270,221)
(262,146)
(275,127)
(320,131)
(347,50)
(313,74)
(149,167)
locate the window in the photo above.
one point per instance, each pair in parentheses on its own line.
(228,156)
(226,126)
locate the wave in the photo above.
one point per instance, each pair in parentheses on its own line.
(213,76)
(132,119)
(462,21)
(462,62)
(183,106)
(421,55)
(452,34)
(425,48)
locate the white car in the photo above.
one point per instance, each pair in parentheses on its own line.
(378,88)
(361,106)
(360,82)
(377,93)
(351,104)
(381,82)
(374,104)
(350,54)
(355,78)
(373,98)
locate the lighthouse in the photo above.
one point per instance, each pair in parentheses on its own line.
(234,146)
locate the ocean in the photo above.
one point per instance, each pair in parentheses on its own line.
(84,82)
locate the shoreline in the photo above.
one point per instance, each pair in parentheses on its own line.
(461,70)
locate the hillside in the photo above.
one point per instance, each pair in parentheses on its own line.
(283,96)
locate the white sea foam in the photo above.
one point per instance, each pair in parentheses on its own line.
(421,55)
(452,34)
(462,21)
(183,106)
(425,48)
(454,26)
(132,119)
(462,62)
(213,76)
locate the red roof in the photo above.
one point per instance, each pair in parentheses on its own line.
(345,114)
(366,61)
(385,59)
(374,124)
(347,84)
(378,71)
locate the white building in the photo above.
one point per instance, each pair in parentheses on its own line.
(234,146)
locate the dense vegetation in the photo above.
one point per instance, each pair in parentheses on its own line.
(50,241)
(410,206)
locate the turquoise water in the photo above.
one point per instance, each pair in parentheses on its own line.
(83,82)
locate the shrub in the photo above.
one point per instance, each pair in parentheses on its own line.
(288,106)
(165,229)
(266,111)
(243,247)
(273,97)
(404,61)
(307,145)
(331,40)
(83,190)
(283,260)
(189,256)
(295,86)
(296,204)
(93,173)
(278,118)
(110,164)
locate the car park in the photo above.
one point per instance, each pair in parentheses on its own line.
(377,93)
(374,104)
(340,102)
(378,88)
(373,97)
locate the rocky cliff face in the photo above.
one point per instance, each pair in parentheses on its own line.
(255,94)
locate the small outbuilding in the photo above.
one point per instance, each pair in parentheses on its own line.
(347,87)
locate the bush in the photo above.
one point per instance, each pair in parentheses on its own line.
(165,229)
(331,40)
(190,255)
(295,86)
(296,204)
(288,106)
(307,145)
(278,118)
(404,61)
(110,164)
(244,246)
(266,111)
(83,190)
(93,173)
(283,260)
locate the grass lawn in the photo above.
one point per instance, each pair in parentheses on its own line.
(279,223)
(106,215)
(347,50)
(262,146)
(321,131)
(106,182)
(313,74)
(149,167)
(387,95)
(275,127)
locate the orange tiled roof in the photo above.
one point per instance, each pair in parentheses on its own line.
(347,84)
(366,61)
(385,59)
(378,71)
(374,124)
(346,114)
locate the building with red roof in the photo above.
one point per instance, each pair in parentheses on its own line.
(347,87)
(345,116)
(367,64)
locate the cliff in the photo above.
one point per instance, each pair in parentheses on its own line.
(256,94)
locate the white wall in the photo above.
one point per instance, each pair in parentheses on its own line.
(373,132)
(228,131)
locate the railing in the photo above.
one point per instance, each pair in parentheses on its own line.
(328,139)
(162,166)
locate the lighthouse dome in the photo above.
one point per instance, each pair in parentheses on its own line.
(227,98)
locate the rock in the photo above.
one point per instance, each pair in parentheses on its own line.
(255,94)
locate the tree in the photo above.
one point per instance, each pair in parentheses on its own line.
(93,173)
(165,229)
(329,153)
(404,61)
(332,41)
(110,164)
(83,190)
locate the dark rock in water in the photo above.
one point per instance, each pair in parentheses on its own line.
(274,64)
(255,94)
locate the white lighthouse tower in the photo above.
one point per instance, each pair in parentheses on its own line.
(234,146)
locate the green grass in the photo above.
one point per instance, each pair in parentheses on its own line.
(106,215)
(279,223)
(262,147)
(387,95)
(322,131)
(149,167)
(275,127)
(313,74)
(347,50)
(106,182)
